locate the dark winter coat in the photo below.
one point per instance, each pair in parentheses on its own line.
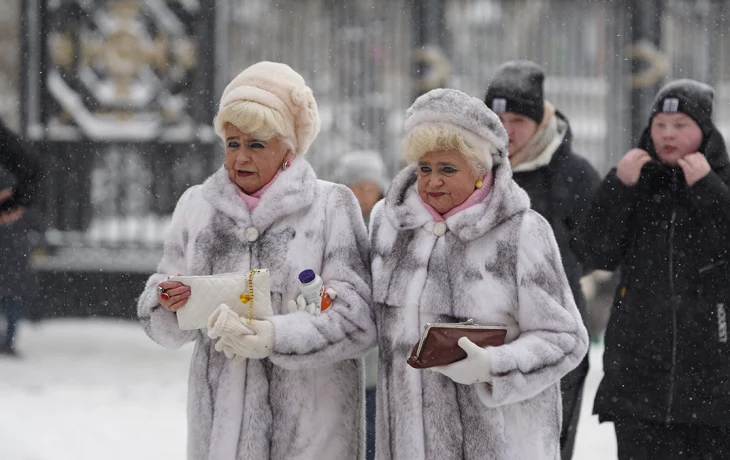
(667,357)
(21,171)
(561,192)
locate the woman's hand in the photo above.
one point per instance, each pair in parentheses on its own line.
(628,169)
(172,295)
(301,305)
(475,368)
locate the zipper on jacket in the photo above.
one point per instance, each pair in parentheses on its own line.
(673,301)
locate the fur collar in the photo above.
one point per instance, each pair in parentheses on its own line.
(404,210)
(292,191)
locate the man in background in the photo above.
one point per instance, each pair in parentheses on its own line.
(19,182)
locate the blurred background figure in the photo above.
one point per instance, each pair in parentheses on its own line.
(18,188)
(560,184)
(364,172)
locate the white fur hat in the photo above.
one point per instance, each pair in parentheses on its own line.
(469,116)
(279,87)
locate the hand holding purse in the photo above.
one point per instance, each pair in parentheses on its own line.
(439,344)
(247,293)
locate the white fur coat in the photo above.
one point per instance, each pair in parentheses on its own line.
(305,401)
(498,263)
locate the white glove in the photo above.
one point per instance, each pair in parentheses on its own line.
(301,304)
(258,345)
(475,368)
(224,321)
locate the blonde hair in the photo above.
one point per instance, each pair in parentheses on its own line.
(432,137)
(260,121)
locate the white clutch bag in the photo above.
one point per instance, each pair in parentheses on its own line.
(247,293)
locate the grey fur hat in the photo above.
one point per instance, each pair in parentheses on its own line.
(690,97)
(477,124)
(518,87)
(362,165)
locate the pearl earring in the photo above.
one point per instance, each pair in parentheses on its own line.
(479,184)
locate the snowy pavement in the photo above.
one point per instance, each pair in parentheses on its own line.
(100,389)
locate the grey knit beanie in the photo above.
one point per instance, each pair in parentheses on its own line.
(690,97)
(518,87)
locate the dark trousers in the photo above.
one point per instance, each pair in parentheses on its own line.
(641,440)
(370,423)
(571,387)
(12,307)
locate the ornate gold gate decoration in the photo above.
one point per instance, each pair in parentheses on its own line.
(123,70)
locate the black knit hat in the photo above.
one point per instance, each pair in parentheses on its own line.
(517,88)
(689,97)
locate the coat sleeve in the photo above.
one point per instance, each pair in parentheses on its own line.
(22,164)
(553,339)
(601,238)
(584,185)
(347,329)
(160,324)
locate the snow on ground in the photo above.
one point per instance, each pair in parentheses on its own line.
(100,389)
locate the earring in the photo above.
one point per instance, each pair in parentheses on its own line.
(285,165)
(479,184)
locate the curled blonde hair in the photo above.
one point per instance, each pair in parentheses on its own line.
(434,137)
(260,121)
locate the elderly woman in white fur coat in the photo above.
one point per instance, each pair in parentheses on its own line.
(455,239)
(294,388)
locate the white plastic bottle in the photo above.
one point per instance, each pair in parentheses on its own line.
(312,288)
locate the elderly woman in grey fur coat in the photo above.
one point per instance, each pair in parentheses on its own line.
(455,239)
(292,386)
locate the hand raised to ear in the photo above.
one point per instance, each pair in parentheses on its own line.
(695,167)
(628,169)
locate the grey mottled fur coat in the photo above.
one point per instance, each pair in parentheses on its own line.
(498,263)
(306,400)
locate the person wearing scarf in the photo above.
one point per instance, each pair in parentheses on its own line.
(560,184)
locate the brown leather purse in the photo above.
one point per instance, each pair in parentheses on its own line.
(439,342)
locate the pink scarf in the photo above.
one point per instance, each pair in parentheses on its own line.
(253,200)
(477,197)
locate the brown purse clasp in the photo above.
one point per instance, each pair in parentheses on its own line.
(439,345)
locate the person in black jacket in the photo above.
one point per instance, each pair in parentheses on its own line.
(560,185)
(663,218)
(25,170)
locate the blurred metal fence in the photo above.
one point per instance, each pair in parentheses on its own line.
(696,37)
(360,55)
(365,61)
